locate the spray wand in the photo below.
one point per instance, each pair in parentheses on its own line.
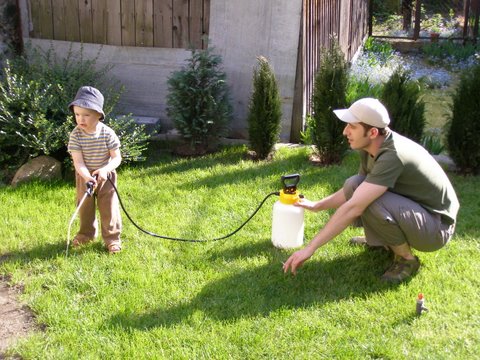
(88,193)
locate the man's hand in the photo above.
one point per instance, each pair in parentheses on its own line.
(307,204)
(297,259)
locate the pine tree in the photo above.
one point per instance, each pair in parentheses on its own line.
(402,97)
(265,110)
(329,93)
(464,125)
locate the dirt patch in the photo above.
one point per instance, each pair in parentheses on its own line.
(16,320)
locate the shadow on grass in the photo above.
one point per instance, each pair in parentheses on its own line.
(49,251)
(266,289)
(42,252)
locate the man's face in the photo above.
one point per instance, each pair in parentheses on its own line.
(86,119)
(358,137)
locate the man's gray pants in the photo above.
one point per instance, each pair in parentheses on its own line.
(393,220)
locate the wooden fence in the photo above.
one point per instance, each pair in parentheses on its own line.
(346,21)
(148,23)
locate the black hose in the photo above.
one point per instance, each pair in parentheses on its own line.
(188,240)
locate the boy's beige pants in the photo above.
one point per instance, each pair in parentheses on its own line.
(108,206)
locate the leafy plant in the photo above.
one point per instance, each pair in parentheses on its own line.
(329,93)
(361,88)
(464,124)
(378,52)
(198,100)
(402,97)
(265,110)
(25,118)
(448,51)
(35,91)
(432,141)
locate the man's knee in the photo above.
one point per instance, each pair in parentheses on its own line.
(351,184)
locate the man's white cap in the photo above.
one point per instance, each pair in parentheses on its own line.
(368,110)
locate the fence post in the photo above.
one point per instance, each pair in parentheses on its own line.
(370,17)
(476,7)
(466,14)
(418,15)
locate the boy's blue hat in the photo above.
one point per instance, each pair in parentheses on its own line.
(89,98)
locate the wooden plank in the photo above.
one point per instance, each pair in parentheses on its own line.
(143,23)
(99,21)
(128,22)
(72,27)
(42,19)
(195,23)
(180,24)
(113,21)
(59,30)
(85,19)
(162,23)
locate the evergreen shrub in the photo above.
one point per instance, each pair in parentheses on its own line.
(329,93)
(464,125)
(402,97)
(265,110)
(198,101)
(35,90)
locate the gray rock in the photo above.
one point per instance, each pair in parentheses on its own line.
(42,167)
(445,162)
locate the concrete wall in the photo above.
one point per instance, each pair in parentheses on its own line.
(239,31)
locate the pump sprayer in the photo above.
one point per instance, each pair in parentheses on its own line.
(287,219)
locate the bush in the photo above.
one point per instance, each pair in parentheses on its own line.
(265,110)
(464,125)
(198,99)
(25,118)
(402,98)
(329,93)
(361,88)
(35,92)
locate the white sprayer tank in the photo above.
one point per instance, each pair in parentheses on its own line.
(287,222)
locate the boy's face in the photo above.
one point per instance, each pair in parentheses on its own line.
(86,119)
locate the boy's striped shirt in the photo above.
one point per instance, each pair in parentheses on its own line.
(96,147)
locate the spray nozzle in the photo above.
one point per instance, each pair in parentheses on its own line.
(90,186)
(89,190)
(290,183)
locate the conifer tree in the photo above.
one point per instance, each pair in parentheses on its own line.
(329,93)
(464,125)
(265,110)
(402,97)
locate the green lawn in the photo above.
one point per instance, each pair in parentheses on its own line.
(229,299)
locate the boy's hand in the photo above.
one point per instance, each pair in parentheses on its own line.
(100,174)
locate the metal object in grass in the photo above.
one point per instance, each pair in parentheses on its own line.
(420,304)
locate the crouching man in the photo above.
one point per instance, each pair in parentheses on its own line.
(401,195)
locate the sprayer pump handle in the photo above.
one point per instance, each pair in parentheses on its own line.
(290,188)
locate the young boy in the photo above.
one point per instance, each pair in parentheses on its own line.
(95,150)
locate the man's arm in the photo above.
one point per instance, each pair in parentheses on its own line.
(332,201)
(363,196)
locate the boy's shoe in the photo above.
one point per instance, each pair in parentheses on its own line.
(362,241)
(114,248)
(80,240)
(401,269)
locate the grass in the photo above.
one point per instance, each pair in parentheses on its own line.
(229,299)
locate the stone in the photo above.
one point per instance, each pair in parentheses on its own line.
(42,168)
(445,162)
